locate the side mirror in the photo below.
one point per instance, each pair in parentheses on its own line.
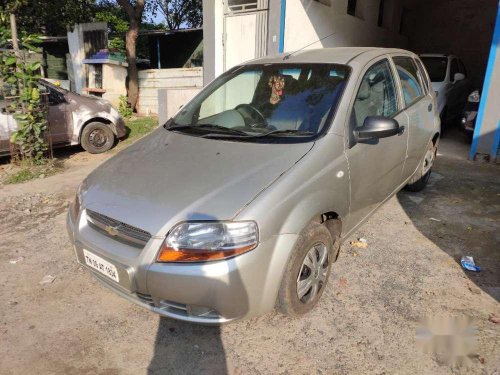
(459,77)
(375,127)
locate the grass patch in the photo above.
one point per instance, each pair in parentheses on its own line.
(137,127)
(25,172)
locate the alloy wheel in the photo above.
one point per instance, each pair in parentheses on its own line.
(313,273)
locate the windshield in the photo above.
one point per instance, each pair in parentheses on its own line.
(262,102)
(436,67)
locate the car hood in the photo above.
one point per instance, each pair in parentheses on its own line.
(170,177)
(89,102)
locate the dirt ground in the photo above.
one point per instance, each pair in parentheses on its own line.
(366,322)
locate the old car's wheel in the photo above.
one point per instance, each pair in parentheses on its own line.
(421,178)
(307,271)
(97,137)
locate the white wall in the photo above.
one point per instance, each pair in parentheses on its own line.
(213,33)
(308,21)
(151,80)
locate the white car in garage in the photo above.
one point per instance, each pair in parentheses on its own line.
(450,83)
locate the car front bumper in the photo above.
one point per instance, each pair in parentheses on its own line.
(469,121)
(204,293)
(120,128)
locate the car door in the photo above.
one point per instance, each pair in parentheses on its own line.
(418,103)
(375,167)
(57,117)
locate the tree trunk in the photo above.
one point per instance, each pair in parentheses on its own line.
(133,75)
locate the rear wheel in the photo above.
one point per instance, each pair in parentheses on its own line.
(422,175)
(307,271)
(97,138)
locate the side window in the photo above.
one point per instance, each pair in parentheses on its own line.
(376,95)
(408,74)
(453,69)
(423,76)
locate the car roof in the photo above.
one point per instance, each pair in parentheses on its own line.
(337,55)
(445,55)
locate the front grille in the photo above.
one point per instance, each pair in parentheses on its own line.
(117,229)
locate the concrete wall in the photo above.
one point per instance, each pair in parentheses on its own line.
(309,20)
(213,34)
(460,27)
(150,81)
(113,80)
(76,47)
(486,139)
(172,100)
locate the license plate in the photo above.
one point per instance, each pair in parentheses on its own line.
(101,265)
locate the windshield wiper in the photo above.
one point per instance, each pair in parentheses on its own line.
(219,128)
(287,131)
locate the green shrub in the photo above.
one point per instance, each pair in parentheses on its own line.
(124,108)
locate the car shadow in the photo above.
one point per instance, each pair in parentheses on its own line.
(459,210)
(186,348)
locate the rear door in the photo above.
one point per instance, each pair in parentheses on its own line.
(375,167)
(418,104)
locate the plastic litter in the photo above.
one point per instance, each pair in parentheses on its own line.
(468,263)
(47,279)
(434,219)
(494,319)
(359,244)
(16,260)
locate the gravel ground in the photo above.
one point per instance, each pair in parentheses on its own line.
(365,324)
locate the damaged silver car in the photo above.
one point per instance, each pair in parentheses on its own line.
(73,120)
(239,203)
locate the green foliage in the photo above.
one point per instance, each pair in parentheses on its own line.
(124,107)
(180,13)
(29,172)
(18,83)
(52,17)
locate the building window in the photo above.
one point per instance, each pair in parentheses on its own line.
(351,7)
(380,21)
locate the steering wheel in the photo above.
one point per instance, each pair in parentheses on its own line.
(254,110)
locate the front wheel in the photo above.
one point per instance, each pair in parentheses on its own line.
(421,178)
(97,138)
(307,271)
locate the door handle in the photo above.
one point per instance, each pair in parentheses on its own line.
(401,130)
(429,108)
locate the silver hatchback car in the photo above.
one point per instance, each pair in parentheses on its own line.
(239,203)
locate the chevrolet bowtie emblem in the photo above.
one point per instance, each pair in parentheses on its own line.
(112,231)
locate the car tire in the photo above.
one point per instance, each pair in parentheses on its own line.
(97,138)
(306,265)
(421,178)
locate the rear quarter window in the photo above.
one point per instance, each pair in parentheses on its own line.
(424,77)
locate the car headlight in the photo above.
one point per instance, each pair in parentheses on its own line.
(474,97)
(208,241)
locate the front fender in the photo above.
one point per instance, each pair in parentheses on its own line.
(317,184)
(82,117)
